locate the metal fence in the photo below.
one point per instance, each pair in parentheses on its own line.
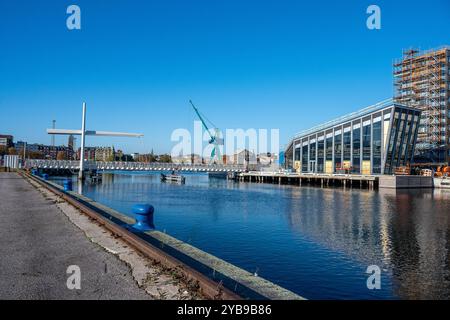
(11,161)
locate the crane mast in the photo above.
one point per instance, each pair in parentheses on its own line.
(215,140)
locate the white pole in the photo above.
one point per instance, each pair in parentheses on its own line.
(83,131)
(53,136)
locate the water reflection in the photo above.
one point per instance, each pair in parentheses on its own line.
(419,229)
(407,231)
(317,242)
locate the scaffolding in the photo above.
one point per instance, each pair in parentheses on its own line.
(421,80)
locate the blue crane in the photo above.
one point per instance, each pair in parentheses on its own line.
(215,139)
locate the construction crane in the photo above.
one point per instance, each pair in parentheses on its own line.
(215,139)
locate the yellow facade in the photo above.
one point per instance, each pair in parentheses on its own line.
(346,164)
(297,166)
(366,167)
(329,166)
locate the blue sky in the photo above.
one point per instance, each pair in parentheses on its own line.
(246,64)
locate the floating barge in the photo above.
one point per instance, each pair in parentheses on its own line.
(176,178)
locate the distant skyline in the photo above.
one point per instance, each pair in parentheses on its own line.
(284,65)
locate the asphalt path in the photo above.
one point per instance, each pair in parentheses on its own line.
(38,243)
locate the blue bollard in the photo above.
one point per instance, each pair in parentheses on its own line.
(143,213)
(67,184)
(45,176)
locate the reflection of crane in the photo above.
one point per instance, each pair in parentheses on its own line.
(215,139)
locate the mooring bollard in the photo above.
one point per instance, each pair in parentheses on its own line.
(143,213)
(67,185)
(45,176)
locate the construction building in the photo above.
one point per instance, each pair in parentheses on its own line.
(375,140)
(422,81)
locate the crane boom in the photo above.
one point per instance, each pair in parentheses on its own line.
(215,138)
(203,121)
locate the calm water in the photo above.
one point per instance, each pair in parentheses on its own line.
(315,242)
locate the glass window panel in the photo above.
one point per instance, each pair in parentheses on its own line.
(337,151)
(320,155)
(398,142)
(305,158)
(356,167)
(347,145)
(404,141)
(329,150)
(297,154)
(312,151)
(376,148)
(366,142)
(391,145)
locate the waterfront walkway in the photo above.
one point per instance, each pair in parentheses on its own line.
(38,243)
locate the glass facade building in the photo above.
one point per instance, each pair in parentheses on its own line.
(373,141)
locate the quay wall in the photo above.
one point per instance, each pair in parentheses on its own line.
(405,182)
(211,271)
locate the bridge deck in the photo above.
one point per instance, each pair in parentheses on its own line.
(130,166)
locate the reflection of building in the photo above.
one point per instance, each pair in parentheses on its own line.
(374,140)
(405,232)
(422,80)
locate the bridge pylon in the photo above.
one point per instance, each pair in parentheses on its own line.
(83,132)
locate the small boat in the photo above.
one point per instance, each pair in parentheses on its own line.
(172,178)
(95,177)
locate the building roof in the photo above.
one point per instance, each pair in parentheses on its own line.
(351,116)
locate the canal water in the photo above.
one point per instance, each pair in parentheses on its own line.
(316,242)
